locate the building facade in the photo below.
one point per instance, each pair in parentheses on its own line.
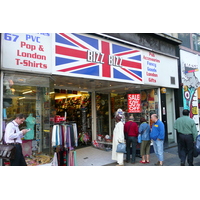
(86,79)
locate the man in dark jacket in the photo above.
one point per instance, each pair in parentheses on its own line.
(131,134)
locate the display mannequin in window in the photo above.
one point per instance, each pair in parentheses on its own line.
(30,122)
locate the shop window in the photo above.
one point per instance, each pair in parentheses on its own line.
(196,41)
(29,95)
(74,107)
(185,37)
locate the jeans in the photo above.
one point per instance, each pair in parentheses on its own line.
(131,141)
(186,148)
(158,149)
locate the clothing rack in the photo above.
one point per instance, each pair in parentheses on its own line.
(64,141)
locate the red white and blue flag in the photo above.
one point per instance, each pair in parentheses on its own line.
(85,56)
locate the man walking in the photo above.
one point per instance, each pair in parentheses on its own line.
(131,133)
(187,133)
(157,135)
(13,136)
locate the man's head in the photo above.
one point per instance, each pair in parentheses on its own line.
(131,118)
(20,118)
(154,117)
(186,112)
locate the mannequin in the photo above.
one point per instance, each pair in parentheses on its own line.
(30,122)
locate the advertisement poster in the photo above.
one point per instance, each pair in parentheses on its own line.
(134,103)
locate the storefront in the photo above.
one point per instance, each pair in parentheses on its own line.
(190,63)
(83,81)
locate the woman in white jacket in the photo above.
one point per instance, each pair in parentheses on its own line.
(118,136)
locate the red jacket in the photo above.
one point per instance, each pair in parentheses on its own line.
(133,130)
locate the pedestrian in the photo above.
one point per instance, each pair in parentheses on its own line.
(145,130)
(118,137)
(131,132)
(13,136)
(187,133)
(157,135)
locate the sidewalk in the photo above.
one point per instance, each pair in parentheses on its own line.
(170,159)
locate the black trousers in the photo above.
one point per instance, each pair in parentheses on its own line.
(19,157)
(186,143)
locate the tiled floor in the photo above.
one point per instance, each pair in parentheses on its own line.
(90,156)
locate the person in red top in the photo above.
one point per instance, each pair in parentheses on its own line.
(131,134)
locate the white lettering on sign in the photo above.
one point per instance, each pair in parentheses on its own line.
(134,103)
(95,56)
(115,60)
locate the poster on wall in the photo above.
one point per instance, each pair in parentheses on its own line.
(134,103)
(30,52)
(83,55)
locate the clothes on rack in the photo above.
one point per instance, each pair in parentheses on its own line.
(65,135)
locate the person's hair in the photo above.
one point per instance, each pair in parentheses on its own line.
(142,119)
(20,116)
(155,115)
(131,117)
(186,112)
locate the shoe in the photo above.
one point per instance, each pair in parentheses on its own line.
(120,165)
(147,161)
(158,164)
(142,162)
(127,161)
(182,164)
(132,162)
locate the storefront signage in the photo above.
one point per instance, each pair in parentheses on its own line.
(159,70)
(85,56)
(27,52)
(134,103)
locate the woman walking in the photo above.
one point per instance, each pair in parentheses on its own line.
(145,130)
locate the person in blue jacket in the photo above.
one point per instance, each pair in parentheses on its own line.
(157,135)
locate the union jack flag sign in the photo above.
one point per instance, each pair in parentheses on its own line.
(81,55)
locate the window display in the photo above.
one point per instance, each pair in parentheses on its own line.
(29,95)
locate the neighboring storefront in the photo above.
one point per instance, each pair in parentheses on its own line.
(83,79)
(190,64)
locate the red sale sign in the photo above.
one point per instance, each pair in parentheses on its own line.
(134,103)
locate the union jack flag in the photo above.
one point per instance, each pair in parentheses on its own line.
(81,55)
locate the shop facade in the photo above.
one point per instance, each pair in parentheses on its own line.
(190,63)
(84,79)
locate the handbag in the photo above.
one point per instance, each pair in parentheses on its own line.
(121,148)
(139,138)
(7,151)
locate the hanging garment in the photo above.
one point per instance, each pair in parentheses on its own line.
(75,134)
(55,160)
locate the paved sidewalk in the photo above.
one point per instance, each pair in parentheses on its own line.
(170,159)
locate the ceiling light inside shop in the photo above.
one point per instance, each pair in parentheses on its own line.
(51,92)
(30,91)
(22,98)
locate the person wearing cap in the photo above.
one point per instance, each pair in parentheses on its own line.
(187,133)
(118,136)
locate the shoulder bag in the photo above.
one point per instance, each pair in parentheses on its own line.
(7,151)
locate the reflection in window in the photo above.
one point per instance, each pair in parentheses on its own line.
(196,41)
(185,37)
